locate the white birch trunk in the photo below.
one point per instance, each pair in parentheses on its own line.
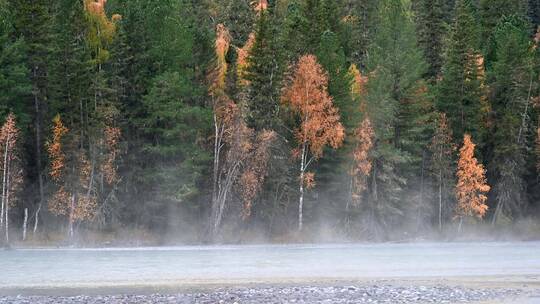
(4,182)
(25,223)
(301,199)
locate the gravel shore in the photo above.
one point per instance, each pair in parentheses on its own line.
(301,294)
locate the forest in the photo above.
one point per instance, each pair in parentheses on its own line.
(196,121)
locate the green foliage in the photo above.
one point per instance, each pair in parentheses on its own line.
(264,75)
(460,92)
(176,131)
(431,19)
(395,106)
(510,81)
(14,82)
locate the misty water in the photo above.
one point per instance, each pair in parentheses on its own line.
(135,266)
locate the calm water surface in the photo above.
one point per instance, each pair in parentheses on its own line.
(71,267)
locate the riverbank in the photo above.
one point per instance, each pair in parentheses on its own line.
(456,290)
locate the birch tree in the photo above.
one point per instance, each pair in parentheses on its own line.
(307,96)
(11,170)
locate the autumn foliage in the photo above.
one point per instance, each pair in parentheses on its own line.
(362,165)
(358,86)
(472,185)
(256,168)
(307,95)
(242,63)
(55,150)
(73,177)
(108,167)
(102,29)
(259,5)
(11,167)
(221,48)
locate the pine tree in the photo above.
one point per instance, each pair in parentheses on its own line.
(69,73)
(431,32)
(491,12)
(361,25)
(510,83)
(175,129)
(263,73)
(460,92)
(31,21)
(14,80)
(393,91)
(534,12)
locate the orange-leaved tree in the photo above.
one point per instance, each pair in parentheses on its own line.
(72,174)
(307,96)
(472,187)
(11,169)
(362,162)
(255,170)
(259,5)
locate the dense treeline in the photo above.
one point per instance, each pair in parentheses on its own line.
(230,119)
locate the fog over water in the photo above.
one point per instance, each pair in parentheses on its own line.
(132,266)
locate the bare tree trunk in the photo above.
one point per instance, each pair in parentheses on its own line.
(497,212)
(71,216)
(301,199)
(36,220)
(440,200)
(524,115)
(216,187)
(7,201)
(421,209)
(25,223)
(4,181)
(38,151)
(460,224)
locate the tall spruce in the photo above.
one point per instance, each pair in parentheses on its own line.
(32,22)
(397,67)
(510,82)
(460,92)
(431,31)
(264,73)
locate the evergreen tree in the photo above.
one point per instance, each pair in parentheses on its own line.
(491,12)
(510,81)
(264,70)
(31,21)
(361,25)
(70,71)
(14,81)
(460,93)
(534,12)
(431,32)
(176,130)
(397,67)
